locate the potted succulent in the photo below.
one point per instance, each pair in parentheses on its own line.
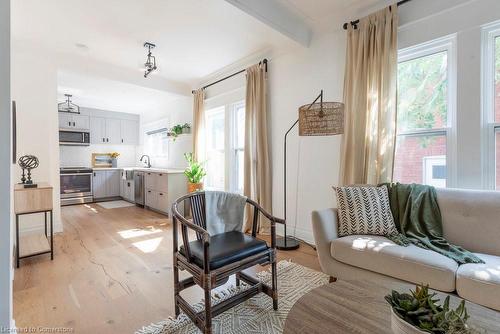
(419,312)
(114,159)
(186,128)
(194,173)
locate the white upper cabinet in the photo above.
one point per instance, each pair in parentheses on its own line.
(73,121)
(106,127)
(113,131)
(97,130)
(81,121)
(65,120)
(129,132)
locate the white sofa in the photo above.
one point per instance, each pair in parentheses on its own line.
(471,219)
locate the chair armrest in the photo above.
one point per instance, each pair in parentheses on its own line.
(265,213)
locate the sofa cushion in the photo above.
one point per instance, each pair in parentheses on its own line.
(480,283)
(412,263)
(364,210)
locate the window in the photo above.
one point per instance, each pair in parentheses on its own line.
(225,131)
(424,114)
(215,144)
(156,143)
(491,104)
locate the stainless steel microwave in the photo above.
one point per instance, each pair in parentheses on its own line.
(74,137)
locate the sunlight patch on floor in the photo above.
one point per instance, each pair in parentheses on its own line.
(138,232)
(148,246)
(91,208)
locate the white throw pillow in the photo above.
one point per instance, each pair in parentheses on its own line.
(364,210)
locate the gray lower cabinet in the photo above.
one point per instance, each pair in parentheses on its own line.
(106,183)
(127,190)
(162,189)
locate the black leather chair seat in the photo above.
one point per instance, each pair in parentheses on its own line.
(225,248)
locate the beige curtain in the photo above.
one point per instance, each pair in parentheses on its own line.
(257,170)
(370,99)
(198,124)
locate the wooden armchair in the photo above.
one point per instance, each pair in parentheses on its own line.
(212,259)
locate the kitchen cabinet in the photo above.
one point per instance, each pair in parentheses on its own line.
(73,121)
(106,183)
(113,131)
(127,189)
(151,199)
(162,189)
(129,132)
(97,130)
(99,184)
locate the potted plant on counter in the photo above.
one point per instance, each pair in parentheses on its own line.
(419,312)
(114,159)
(194,173)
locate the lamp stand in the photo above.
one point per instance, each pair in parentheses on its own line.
(286,242)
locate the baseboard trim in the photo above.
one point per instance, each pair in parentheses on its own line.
(303,234)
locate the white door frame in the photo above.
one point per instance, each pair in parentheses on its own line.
(6,216)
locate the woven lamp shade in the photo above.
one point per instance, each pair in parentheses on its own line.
(317,121)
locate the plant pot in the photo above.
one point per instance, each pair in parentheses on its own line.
(186,130)
(399,326)
(114,162)
(192,187)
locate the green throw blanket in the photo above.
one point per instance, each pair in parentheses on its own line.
(418,219)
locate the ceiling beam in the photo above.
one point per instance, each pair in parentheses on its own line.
(277,16)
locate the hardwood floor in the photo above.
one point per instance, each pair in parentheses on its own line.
(112,273)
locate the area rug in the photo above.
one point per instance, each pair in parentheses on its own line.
(256,315)
(115,204)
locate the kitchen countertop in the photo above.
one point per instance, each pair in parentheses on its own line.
(143,169)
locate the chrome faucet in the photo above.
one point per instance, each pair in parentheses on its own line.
(148,161)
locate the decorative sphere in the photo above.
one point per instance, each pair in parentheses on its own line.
(28,162)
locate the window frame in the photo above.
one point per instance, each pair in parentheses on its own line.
(489,126)
(153,128)
(446,44)
(230,141)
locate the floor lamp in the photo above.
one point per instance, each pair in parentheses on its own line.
(315,119)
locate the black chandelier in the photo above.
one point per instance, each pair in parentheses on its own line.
(150,63)
(68,106)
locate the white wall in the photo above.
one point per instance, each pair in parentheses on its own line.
(81,156)
(426,20)
(295,79)
(297,76)
(177,112)
(34,88)
(6,270)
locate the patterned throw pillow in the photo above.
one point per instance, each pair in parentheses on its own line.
(364,210)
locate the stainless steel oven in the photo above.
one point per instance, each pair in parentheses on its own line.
(74,137)
(76,185)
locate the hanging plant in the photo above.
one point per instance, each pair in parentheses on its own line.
(175,131)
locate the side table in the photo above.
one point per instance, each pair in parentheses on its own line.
(29,201)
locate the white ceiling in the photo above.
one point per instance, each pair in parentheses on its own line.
(195,38)
(100,93)
(323,14)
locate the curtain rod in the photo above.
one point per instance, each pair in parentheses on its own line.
(354,23)
(231,75)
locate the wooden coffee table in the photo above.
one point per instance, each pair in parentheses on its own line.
(360,307)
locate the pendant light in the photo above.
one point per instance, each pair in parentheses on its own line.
(150,63)
(68,106)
